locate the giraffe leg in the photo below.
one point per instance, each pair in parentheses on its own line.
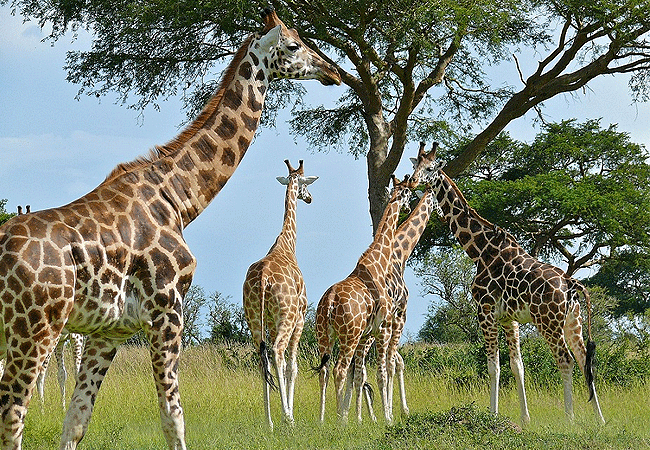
(24,359)
(165,338)
(511,330)
(364,387)
(292,362)
(340,372)
(62,373)
(360,376)
(97,357)
(553,333)
(399,370)
(323,377)
(281,343)
(573,336)
(490,332)
(40,381)
(382,379)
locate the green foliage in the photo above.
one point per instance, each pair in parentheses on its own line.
(4,215)
(226,321)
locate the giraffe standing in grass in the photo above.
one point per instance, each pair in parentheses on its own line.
(114,261)
(406,238)
(358,308)
(275,298)
(512,287)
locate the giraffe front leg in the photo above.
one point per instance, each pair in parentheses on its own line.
(382,373)
(517,366)
(165,346)
(97,357)
(399,370)
(62,373)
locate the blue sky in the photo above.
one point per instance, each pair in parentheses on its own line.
(55,148)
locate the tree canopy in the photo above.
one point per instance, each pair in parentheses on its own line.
(413,70)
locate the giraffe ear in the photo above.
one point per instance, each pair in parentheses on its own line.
(283,180)
(414,161)
(308,180)
(271,38)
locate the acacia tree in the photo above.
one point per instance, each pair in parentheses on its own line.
(413,69)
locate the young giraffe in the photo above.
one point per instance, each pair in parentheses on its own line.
(406,238)
(357,308)
(115,261)
(512,287)
(275,297)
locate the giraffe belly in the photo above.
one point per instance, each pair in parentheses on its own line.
(117,315)
(510,309)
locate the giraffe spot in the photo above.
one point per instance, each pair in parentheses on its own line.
(50,275)
(243,144)
(261,89)
(253,103)
(245,70)
(186,163)
(232,98)
(153,177)
(249,122)
(261,76)
(160,213)
(254,58)
(227,128)
(123,229)
(19,327)
(228,157)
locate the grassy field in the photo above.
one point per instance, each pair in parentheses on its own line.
(223,409)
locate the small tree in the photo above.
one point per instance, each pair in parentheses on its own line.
(448,274)
(193,303)
(226,321)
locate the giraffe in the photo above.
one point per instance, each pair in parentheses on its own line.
(513,287)
(275,298)
(114,261)
(357,308)
(406,238)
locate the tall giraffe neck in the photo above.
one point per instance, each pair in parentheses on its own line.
(385,230)
(194,166)
(472,231)
(287,237)
(408,233)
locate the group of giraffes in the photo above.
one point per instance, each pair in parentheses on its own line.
(114,262)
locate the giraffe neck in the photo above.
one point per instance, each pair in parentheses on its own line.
(385,233)
(408,234)
(191,169)
(286,240)
(472,231)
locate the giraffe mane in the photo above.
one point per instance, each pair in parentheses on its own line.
(464,200)
(173,146)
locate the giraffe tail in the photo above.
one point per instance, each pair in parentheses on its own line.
(323,362)
(264,361)
(591,345)
(264,356)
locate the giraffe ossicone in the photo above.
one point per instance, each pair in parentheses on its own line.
(513,287)
(275,300)
(114,261)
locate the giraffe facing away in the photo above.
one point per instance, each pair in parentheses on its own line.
(512,287)
(358,308)
(114,261)
(275,298)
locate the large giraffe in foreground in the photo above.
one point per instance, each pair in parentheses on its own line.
(275,298)
(115,261)
(512,287)
(358,308)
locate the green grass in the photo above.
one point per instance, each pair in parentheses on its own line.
(222,398)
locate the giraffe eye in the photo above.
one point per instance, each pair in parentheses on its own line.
(293,47)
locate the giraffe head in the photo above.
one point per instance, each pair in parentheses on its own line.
(401,192)
(426,168)
(287,56)
(298,176)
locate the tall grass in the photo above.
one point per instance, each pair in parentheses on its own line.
(222,398)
